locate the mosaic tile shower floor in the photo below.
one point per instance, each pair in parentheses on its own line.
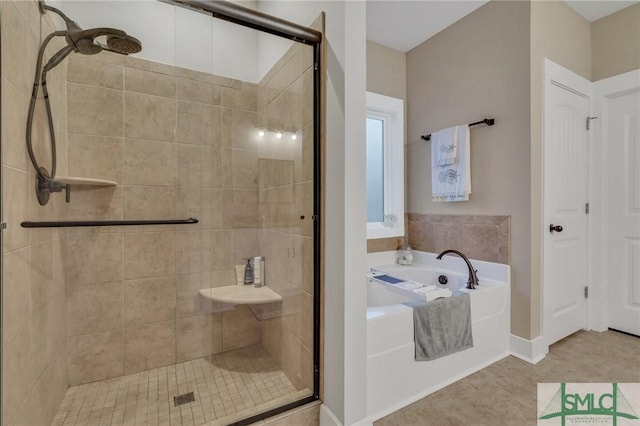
(226,386)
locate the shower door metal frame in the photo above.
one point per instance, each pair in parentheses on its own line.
(260,21)
(3,226)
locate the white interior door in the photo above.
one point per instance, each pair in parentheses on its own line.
(566,147)
(620,109)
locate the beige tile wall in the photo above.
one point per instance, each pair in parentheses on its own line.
(34,349)
(479,237)
(384,244)
(180,144)
(285,196)
(87,304)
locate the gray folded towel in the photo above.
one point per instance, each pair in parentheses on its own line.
(442,326)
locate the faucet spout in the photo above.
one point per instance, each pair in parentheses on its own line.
(473,280)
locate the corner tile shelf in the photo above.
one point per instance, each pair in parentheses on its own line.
(72,180)
(240,295)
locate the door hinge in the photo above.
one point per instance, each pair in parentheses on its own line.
(589,122)
(586,292)
(586,208)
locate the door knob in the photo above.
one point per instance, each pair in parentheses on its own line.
(556,228)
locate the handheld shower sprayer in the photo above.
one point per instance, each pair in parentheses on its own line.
(84,41)
(80,41)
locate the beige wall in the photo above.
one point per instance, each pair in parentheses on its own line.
(477,68)
(285,177)
(387,75)
(560,34)
(386,71)
(602,49)
(615,43)
(34,350)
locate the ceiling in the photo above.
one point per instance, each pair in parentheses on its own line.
(402,24)
(594,10)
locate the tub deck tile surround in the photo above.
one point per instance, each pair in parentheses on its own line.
(479,237)
(377,245)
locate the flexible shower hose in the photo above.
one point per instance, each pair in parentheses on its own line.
(41,80)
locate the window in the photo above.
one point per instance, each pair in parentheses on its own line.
(385,166)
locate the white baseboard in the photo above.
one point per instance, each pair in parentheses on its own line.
(532,351)
(327,418)
(364,422)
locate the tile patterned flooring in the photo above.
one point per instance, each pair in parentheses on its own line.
(227,387)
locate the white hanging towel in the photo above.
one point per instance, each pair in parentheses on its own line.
(444,143)
(452,182)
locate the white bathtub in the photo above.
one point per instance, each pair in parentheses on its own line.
(394,378)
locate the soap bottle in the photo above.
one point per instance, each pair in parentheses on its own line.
(248,272)
(405,254)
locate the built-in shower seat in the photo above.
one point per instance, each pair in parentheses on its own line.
(240,295)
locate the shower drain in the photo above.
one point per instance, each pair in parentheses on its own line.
(185,398)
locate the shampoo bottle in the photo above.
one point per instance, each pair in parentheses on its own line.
(248,272)
(257,271)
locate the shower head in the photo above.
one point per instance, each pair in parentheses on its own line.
(117,41)
(78,40)
(85,41)
(125,45)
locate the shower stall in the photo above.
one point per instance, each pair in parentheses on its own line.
(161,145)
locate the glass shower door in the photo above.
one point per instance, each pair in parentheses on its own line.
(154,323)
